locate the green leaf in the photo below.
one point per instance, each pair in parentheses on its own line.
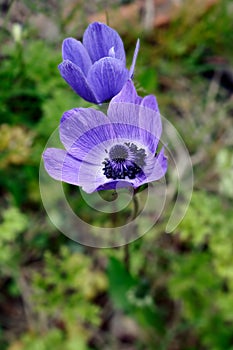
(120,282)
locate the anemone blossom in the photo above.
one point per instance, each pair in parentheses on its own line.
(107,152)
(96,69)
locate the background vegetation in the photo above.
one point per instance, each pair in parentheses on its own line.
(178,292)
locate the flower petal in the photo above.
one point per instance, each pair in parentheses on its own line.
(74,76)
(84,132)
(99,39)
(127,94)
(108,76)
(74,51)
(92,146)
(131,71)
(90,178)
(131,119)
(76,122)
(61,166)
(150,101)
(159,168)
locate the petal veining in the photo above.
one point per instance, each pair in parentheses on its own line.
(74,51)
(74,76)
(99,39)
(107,76)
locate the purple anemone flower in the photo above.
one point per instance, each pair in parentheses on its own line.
(107,152)
(96,69)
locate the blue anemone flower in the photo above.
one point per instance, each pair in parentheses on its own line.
(106,152)
(96,69)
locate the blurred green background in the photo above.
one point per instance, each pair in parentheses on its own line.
(178,291)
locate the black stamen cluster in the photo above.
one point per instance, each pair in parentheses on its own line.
(124,162)
(116,170)
(139,154)
(118,153)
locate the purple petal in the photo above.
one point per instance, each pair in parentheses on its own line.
(131,119)
(108,76)
(91,147)
(77,122)
(61,166)
(99,39)
(159,169)
(83,129)
(74,51)
(150,102)
(111,52)
(74,76)
(112,185)
(128,94)
(131,71)
(90,177)
(68,114)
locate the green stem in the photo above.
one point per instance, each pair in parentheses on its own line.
(126,247)
(126,257)
(136,207)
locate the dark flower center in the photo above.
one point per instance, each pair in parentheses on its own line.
(124,161)
(118,153)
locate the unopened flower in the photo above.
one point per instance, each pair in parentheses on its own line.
(96,69)
(17,32)
(106,152)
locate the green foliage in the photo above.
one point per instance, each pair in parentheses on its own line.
(62,297)
(202,278)
(132,295)
(19,100)
(15,145)
(53,339)
(33,97)
(13,224)
(224,163)
(195,31)
(65,288)
(205,218)
(120,282)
